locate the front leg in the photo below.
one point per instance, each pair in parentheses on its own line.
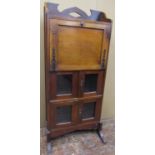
(100,133)
(49,147)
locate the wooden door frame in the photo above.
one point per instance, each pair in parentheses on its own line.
(53,85)
(52,114)
(100,83)
(98,105)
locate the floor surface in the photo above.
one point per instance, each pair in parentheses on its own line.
(81,143)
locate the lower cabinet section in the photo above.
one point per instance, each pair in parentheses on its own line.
(73,114)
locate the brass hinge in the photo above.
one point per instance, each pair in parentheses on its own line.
(53,63)
(103,60)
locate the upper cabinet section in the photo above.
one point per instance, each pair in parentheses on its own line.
(76,43)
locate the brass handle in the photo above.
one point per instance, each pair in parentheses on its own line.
(53,65)
(103,60)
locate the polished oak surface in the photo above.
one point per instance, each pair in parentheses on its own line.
(83,48)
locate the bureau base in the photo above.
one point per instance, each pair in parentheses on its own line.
(55,133)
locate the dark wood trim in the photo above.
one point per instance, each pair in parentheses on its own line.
(52,85)
(75,99)
(100,81)
(53,12)
(64,130)
(46,45)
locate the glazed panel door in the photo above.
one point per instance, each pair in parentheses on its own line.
(91,83)
(62,114)
(63,85)
(89,110)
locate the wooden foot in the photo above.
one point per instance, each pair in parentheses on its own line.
(100,134)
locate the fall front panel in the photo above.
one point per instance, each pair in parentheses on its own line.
(76,48)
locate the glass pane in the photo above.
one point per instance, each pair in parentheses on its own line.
(63,114)
(88,110)
(90,82)
(64,84)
